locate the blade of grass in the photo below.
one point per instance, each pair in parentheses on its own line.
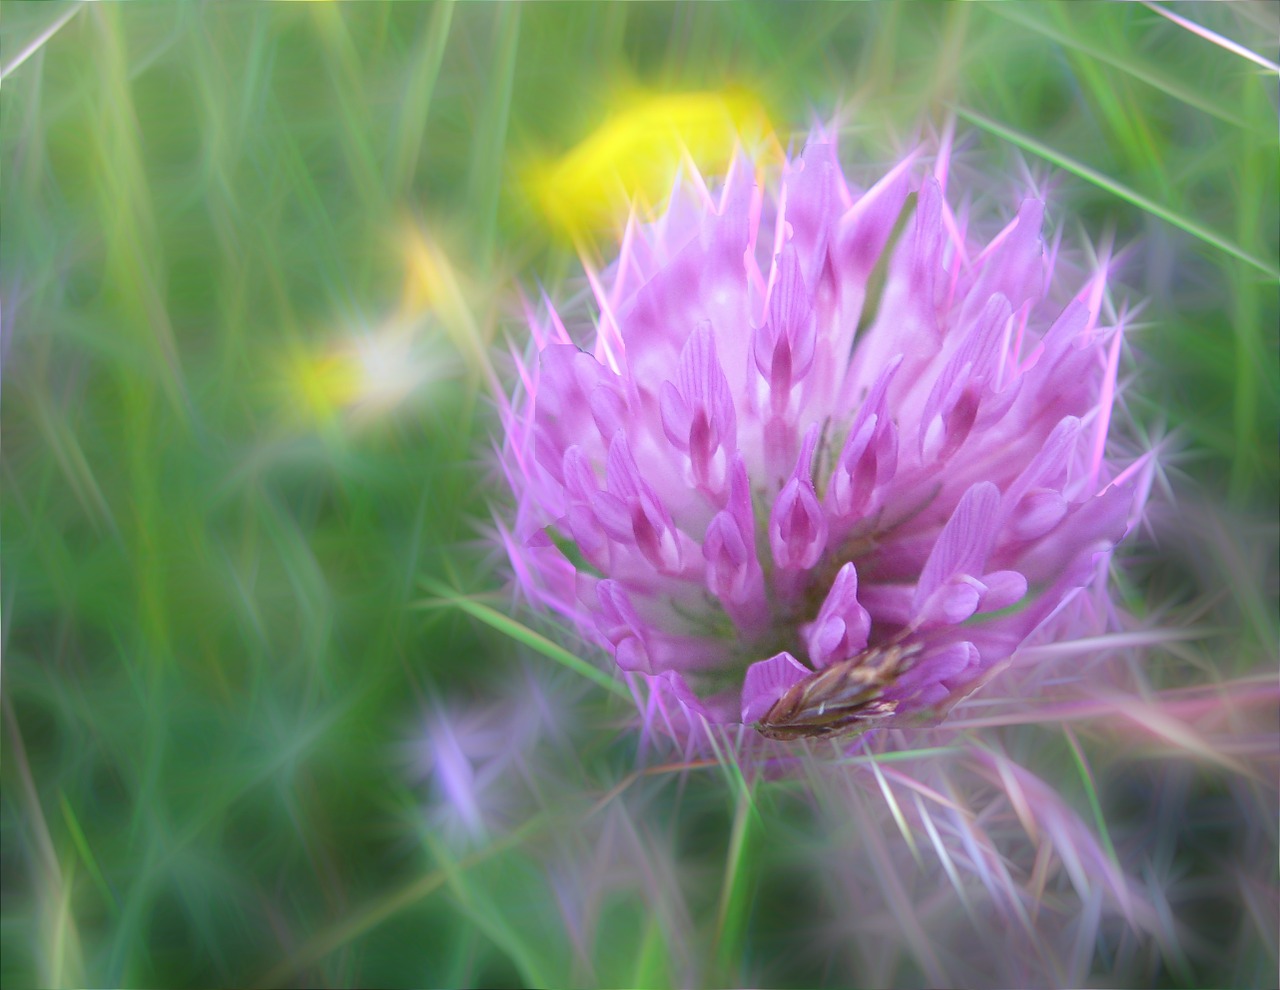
(1164,84)
(39,42)
(65,963)
(1213,37)
(487,917)
(1091,793)
(491,132)
(1057,158)
(1251,350)
(31,797)
(86,854)
(127,212)
(731,914)
(344,71)
(896,811)
(362,921)
(523,634)
(651,968)
(419,87)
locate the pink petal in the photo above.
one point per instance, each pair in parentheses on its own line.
(1004,588)
(797,525)
(765,682)
(964,543)
(841,628)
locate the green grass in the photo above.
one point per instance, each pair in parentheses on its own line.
(213,632)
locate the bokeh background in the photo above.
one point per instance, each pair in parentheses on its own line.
(264,722)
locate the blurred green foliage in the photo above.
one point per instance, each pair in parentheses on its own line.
(212,650)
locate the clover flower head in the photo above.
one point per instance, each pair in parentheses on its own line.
(825,460)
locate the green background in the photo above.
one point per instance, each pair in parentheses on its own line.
(218,652)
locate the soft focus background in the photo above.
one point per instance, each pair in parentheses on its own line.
(263,721)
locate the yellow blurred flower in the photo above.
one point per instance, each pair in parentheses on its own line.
(324,383)
(367,372)
(432,284)
(633,156)
(363,376)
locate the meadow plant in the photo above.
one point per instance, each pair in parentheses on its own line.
(829,456)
